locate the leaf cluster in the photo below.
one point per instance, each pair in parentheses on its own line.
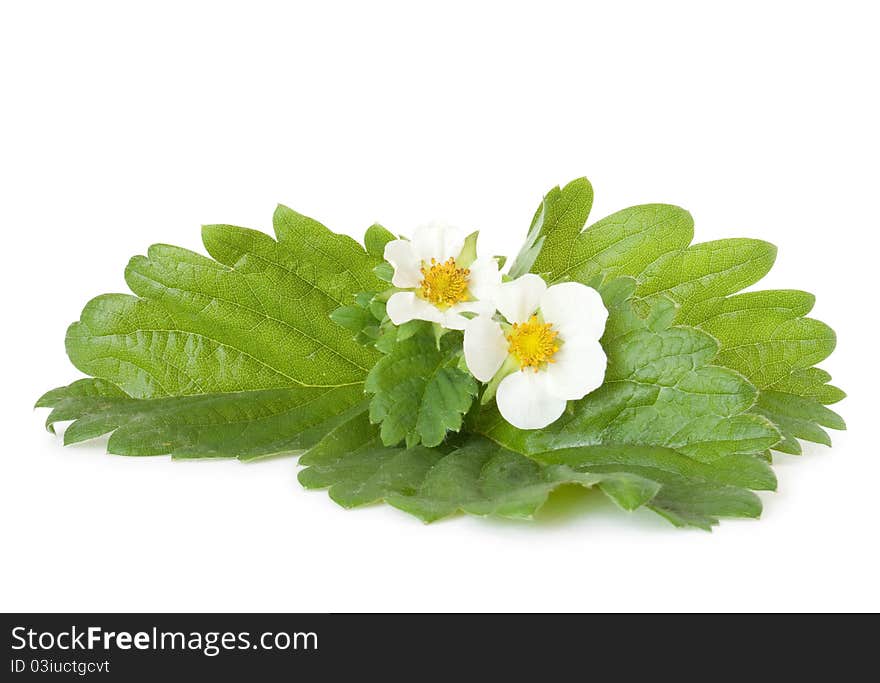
(282,345)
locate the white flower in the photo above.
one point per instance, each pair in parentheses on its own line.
(442,277)
(550,348)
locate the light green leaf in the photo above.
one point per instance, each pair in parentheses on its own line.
(623,244)
(384,271)
(352,318)
(555,225)
(231,357)
(256,317)
(468,253)
(765,336)
(419,392)
(375,240)
(710,270)
(810,383)
(412,327)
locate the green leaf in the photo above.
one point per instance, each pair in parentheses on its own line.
(623,244)
(352,318)
(377,309)
(235,356)
(689,504)
(411,327)
(245,425)
(764,335)
(419,392)
(810,383)
(684,491)
(375,240)
(710,270)
(477,477)
(629,491)
(480,477)
(468,253)
(256,317)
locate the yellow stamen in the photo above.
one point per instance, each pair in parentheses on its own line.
(533,343)
(444,284)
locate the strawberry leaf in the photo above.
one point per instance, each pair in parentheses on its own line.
(234,356)
(764,335)
(244,425)
(419,391)
(254,317)
(480,477)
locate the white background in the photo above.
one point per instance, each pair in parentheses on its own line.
(123,126)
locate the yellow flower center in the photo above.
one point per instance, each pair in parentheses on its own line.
(533,343)
(444,284)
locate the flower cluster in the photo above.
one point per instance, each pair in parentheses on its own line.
(535,346)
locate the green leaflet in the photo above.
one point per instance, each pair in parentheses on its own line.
(764,335)
(419,392)
(245,425)
(477,476)
(660,390)
(254,318)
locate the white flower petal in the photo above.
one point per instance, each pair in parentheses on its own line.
(485,347)
(405,306)
(524,401)
(576,312)
(400,254)
(519,299)
(578,370)
(436,241)
(484,280)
